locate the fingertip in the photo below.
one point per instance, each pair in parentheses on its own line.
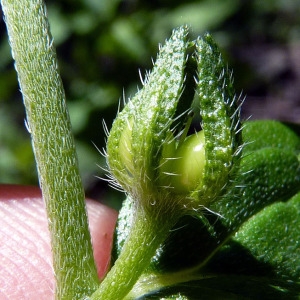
(102,221)
(25,254)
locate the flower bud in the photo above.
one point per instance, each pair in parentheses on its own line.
(142,152)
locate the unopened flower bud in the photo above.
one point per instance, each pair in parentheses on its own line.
(144,155)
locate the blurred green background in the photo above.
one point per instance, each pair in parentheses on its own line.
(102,45)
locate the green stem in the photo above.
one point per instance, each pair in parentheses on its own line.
(146,234)
(53,144)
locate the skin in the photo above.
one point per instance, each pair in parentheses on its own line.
(25,251)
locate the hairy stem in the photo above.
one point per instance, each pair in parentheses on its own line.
(146,234)
(53,144)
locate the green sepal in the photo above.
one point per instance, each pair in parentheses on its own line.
(146,119)
(220,113)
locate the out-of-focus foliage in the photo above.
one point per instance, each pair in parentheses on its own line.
(101,45)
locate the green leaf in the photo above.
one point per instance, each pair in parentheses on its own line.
(269,133)
(273,237)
